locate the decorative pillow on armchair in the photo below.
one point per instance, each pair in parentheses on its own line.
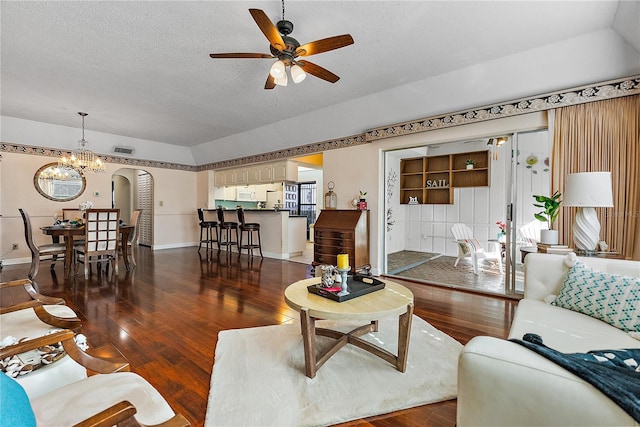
(469,246)
(612,298)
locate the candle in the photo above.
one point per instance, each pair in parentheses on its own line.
(343,261)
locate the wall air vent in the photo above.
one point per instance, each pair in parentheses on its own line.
(123,150)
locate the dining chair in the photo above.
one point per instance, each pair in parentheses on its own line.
(103,399)
(227,226)
(101,239)
(132,242)
(250,228)
(469,247)
(49,252)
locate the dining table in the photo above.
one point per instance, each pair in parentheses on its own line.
(69,231)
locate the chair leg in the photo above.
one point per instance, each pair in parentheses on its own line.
(474,258)
(260,244)
(200,244)
(132,255)
(35,266)
(240,243)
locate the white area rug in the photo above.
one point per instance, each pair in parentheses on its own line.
(258,377)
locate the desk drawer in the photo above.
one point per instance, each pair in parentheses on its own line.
(334,234)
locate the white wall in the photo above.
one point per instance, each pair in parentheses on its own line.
(533,180)
(175,223)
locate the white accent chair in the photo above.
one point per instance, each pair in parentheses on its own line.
(529,234)
(469,247)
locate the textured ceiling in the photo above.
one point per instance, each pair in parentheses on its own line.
(141,69)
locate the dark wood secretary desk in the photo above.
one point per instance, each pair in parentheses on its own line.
(342,231)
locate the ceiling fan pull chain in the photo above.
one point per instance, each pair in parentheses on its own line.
(283,10)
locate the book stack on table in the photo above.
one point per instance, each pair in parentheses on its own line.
(553,249)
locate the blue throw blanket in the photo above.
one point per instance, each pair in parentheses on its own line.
(616,373)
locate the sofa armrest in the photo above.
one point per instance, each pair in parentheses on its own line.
(501,383)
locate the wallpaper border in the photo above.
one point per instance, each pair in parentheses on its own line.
(616,88)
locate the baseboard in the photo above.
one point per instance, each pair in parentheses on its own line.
(13,261)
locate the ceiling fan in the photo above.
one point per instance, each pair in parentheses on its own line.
(287,50)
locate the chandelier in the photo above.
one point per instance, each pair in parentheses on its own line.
(82,159)
(55,174)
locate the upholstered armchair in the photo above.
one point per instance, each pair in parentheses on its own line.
(37,316)
(99,400)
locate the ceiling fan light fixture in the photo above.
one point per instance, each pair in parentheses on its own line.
(281,81)
(297,73)
(278,70)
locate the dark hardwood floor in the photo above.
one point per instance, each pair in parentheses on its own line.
(165,315)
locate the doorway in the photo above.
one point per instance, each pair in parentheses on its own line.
(418,241)
(133,189)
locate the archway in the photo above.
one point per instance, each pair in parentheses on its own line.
(133,189)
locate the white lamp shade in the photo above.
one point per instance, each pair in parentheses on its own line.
(297,73)
(278,70)
(282,81)
(588,189)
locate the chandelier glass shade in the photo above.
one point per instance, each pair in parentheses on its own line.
(82,159)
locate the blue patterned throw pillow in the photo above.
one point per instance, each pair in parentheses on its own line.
(612,298)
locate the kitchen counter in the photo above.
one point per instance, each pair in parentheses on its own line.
(283,235)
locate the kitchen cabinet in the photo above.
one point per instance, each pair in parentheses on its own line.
(265,172)
(286,170)
(342,232)
(220,178)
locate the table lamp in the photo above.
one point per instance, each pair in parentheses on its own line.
(587,190)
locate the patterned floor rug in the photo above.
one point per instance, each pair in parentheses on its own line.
(405,260)
(441,271)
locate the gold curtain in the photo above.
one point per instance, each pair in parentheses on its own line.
(602,136)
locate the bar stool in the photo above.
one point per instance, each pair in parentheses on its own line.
(250,228)
(226,226)
(208,227)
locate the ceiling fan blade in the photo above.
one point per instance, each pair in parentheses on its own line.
(324,45)
(240,55)
(318,71)
(270,83)
(268,29)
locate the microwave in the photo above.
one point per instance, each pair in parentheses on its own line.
(245,195)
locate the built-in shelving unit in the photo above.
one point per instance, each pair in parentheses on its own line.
(431,180)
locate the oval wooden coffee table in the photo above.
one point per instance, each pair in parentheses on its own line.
(393,300)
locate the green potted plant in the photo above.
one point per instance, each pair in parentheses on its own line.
(470,163)
(549,214)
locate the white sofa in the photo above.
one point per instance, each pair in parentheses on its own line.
(501,383)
